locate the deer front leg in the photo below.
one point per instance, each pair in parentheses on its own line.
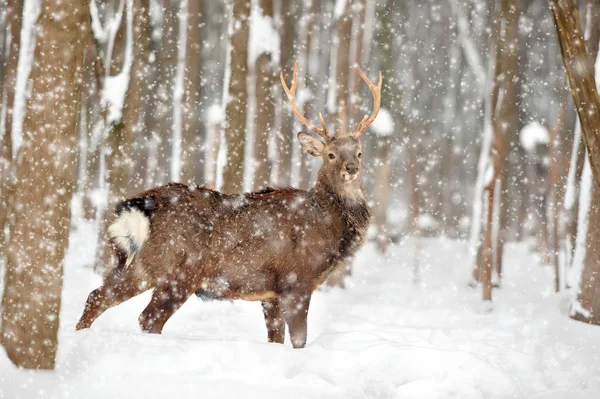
(295,313)
(166,300)
(274,320)
(120,285)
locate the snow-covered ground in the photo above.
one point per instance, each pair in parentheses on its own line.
(382,337)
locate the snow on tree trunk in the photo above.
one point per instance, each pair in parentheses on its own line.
(129,67)
(14,19)
(235,114)
(502,113)
(45,173)
(580,73)
(571,199)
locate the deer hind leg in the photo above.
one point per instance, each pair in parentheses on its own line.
(274,320)
(295,310)
(167,298)
(120,285)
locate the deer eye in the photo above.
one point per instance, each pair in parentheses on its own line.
(331,156)
(360,154)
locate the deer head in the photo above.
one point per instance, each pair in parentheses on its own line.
(341,155)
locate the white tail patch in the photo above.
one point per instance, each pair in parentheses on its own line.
(129,232)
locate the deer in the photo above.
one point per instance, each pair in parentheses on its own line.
(275,246)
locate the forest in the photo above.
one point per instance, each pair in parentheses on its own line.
(480,272)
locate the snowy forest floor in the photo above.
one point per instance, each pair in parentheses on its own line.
(381,337)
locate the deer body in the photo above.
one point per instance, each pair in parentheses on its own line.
(273,246)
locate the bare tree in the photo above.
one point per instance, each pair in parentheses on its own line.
(130,59)
(235,114)
(45,172)
(191,128)
(265,105)
(503,114)
(580,74)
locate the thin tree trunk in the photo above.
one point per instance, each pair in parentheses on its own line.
(285,145)
(342,43)
(235,114)
(14,18)
(39,233)
(265,109)
(191,128)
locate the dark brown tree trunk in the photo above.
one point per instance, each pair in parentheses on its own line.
(265,109)
(45,172)
(235,114)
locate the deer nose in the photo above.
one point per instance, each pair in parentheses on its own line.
(352,168)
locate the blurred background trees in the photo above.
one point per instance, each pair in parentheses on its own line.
(477,138)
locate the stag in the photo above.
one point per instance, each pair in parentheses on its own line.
(275,246)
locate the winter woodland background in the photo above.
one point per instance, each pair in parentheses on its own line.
(476,170)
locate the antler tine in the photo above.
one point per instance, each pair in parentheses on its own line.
(291,94)
(376,90)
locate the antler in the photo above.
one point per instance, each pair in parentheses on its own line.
(376,90)
(291,94)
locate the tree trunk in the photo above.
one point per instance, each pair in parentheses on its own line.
(235,114)
(287,31)
(45,173)
(119,164)
(265,109)
(14,18)
(191,128)
(342,42)
(580,73)
(503,98)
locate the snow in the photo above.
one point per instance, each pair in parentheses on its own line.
(383,125)
(533,134)
(340,9)
(585,201)
(381,337)
(262,37)
(570,185)
(115,87)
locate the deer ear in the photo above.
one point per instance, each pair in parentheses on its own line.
(312,145)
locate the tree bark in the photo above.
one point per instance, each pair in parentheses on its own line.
(342,42)
(14,18)
(119,141)
(45,171)
(265,109)
(191,129)
(580,73)
(287,30)
(235,114)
